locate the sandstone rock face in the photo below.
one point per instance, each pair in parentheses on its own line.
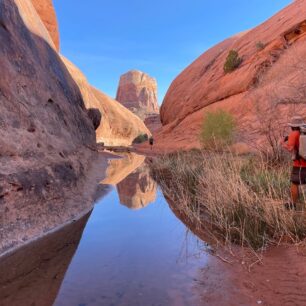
(119,126)
(153,123)
(269,82)
(45,131)
(137,91)
(47,14)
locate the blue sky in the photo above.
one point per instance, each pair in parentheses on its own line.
(161,37)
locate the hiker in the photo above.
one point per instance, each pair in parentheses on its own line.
(298,174)
(151,141)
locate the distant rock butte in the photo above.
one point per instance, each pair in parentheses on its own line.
(267,72)
(137,91)
(47,14)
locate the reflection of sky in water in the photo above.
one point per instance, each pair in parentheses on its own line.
(129,257)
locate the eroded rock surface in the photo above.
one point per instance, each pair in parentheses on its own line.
(45,131)
(269,82)
(137,91)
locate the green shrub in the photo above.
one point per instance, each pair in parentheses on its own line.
(217,130)
(141,138)
(260,45)
(232,62)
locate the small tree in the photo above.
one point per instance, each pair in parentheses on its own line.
(217,130)
(141,138)
(232,62)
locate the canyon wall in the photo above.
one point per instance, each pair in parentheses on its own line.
(48,117)
(119,126)
(137,91)
(45,132)
(47,14)
(266,88)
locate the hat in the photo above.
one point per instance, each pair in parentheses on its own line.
(296,121)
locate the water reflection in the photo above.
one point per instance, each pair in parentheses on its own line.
(125,257)
(138,189)
(131,175)
(33,274)
(119,168)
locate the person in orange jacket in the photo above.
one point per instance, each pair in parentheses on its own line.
(298,174)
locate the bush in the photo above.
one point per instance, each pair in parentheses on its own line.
(217,130)
(260,45)
(232,62)
(141,138)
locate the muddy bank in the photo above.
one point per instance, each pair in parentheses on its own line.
(42,209)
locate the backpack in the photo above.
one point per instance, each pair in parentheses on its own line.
(302,147)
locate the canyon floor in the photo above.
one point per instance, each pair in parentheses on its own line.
(133,249)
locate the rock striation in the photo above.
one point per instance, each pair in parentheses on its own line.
(137,91)
(267,83)
(47,14)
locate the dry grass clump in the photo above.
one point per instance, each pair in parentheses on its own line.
(236,199)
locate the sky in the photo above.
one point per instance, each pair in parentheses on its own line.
(106,38)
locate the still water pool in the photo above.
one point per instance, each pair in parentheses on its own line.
(130,250)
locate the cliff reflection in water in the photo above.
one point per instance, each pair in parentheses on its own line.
(131,175)
(138,189)
(33,275)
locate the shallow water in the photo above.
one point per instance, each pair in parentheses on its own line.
(133,251)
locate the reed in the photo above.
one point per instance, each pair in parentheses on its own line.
(238,200)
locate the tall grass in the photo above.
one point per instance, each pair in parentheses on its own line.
(235,199)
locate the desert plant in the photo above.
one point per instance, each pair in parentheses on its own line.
(217,130)
(232,62)
(141,138)
(260,45)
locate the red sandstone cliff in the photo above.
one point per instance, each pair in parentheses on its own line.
(137,91)
(269,81)
(47,14)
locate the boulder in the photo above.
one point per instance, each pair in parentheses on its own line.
(266,87)
(95,116)
(137,91)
